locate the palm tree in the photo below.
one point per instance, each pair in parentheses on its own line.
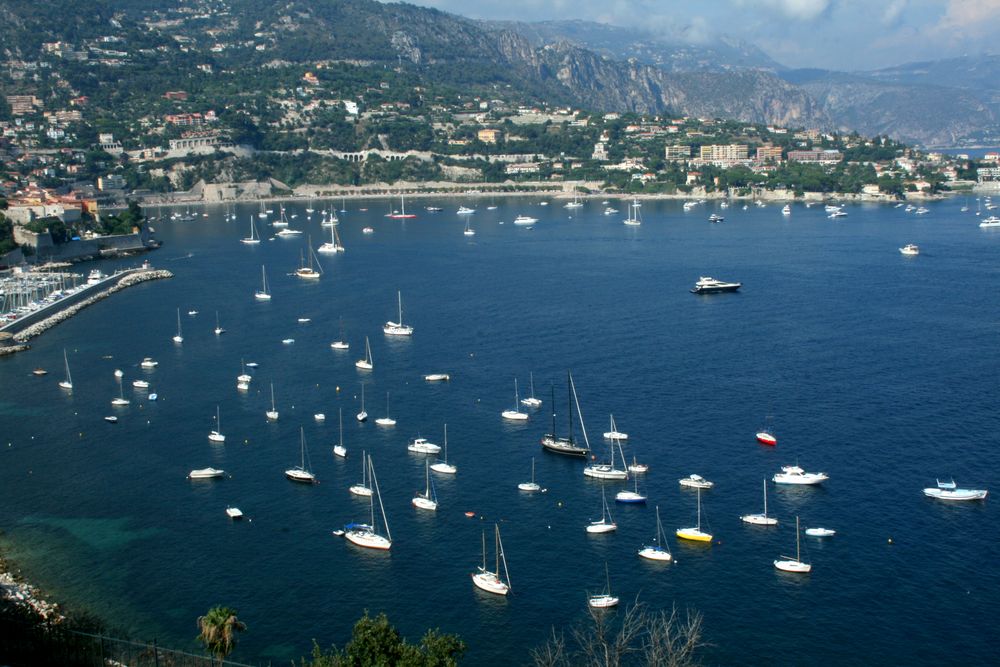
(218,630)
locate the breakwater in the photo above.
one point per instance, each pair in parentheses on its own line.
(133,278)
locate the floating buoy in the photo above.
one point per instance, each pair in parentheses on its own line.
(890,540)
(338,387)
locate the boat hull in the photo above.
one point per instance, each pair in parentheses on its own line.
(300,476)
(490,583)
(956,494)
(759,520)
(794,566)
(693,535)
(655,553)
(367,539)
(766,438)
(602,601)
(604,472)
(601,527)
(630,498)
(563,446)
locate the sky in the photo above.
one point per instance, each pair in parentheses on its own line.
(830,34)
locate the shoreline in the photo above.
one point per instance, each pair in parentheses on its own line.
(13,587)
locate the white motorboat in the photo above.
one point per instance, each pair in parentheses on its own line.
(525,220)
(606,523)
(950,491)
(820,532)
(603,600)
(760,519)
(320,417)
(272,414)
(910,249)
(287,232)
(794,565)
(140,384)
(111,419)
(262,294)
(514,414)
(658,549)
(387,420)
(363,414)
(149,362)
(531,401)
(234,513)
(786,210)
(366,534)
(363,489)
(465,210)
(339,449)
(491,582)
(443,466)
(206,473)
(391,328)
(437,377)
(422,446)
(696,482)
(366,363)
(218,328)
(992,221)
(302,473)
(708,285)
(614,433)
(530,486)
(796,475)
(428,499)
(695,534)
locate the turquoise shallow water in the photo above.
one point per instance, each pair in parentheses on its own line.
(878,369)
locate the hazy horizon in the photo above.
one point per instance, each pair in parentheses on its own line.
(829,34)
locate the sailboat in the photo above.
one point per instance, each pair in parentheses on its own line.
(363,415)
(364,488)
(339,449)
(216,435)
(178,338)
(218,328)
(760,519)
(428,499)
(631,497)
(387,420)
(614,433)
(254,236)
(282,221)
(333,245)
(514,414)
(531,401)
(605,524)
(468,231)
(606,599)
(341,344)
(695,534)
(398,328)
(401,214)
(491,581)
(658,549)
(575,203)
(608,470)
(272,414)
(788,564)
(244,378)
(262,294)
(531,486)
(443,466)
(120,400)
(567,445)
(364,534)
(633,219)
(68,382)
(263,213)
(366,363)
(308,272)
(301,472)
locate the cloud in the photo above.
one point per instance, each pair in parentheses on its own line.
(893,12)
(969,17)
(800,10)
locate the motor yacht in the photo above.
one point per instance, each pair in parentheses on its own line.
(707,285)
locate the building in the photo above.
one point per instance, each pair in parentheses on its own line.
(522,168)
(988,174)
(600,152)
(488,135)
(111,182)
(815,155)
(22,105)
(724,153)
(677,152)
(765,153)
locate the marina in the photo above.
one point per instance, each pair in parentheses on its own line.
(849,373)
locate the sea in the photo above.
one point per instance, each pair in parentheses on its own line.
(877,368)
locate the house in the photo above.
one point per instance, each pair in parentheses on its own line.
(488,135)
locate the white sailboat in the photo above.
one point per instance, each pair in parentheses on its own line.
(605,524)
(339,449)
(387,420)
(604,600)
(179,338)
(366,363)
(334,245)
(218,327)
(443,466)
(262,294)
(398,328)
(514,414)
(531,401)
(428,499)
(491,582)
(272,414)
(365,534)
(760,519)
(633,219)
(401,214)
(254,236)
(364,488)
(531,486)
(695,534)
(789,564)
(468,231)
(120,400)
(608,470)
(68,382)
(363,415)
(302,473)
(341,344)
(216,435)
(308,272)
(658,549)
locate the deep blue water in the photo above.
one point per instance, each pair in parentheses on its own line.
(878,369)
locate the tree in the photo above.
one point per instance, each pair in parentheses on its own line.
(641,637)
(218,630)
(376,643)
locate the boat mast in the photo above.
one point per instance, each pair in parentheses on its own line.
(569,400)
(765,499)
(583,428)
(340,418)
(380,505)
(483,568)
